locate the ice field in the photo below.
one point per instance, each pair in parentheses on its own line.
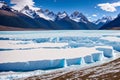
(40,51)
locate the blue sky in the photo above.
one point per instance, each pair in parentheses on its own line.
(93,9)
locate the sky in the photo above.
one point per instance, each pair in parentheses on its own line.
(92,9)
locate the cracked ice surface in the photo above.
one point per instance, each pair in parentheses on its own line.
(54,49)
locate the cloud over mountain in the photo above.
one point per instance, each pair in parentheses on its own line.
(19,4)
(109,7)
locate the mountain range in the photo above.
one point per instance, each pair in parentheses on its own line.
(47,20)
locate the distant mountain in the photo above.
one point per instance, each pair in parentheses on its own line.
(103,20)
(115,24)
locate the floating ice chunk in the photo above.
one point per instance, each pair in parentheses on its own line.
(97,56)
(74,61)
(88,59)
(107,52)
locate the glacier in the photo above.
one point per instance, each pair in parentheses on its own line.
(52,62)
(49,50)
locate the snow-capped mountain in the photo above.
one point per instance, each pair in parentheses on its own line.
(78,17)
(4,6)
(25,19)
(29,12)
(44,19)
(62,15)
(51,16)
(2,3)
(103,20)
(114,24)
(48,15)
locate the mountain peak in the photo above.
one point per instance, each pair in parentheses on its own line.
(26,7)
(62,15)
(78,17)
(46,14)
(104,20)
(76,13)
(4,6)
(107,17)
(2,3)
(46,11)
(29,12)
(40,11)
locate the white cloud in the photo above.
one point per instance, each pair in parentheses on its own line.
(94,15)
(110,7)
(19,4)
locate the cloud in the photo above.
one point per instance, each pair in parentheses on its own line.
(20,4)
(109,7)
(94,15)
